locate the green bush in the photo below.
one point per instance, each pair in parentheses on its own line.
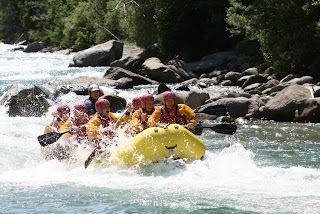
(285,31)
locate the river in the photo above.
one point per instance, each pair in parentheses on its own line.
(266,167)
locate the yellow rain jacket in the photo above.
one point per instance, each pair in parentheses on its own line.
(50,127)
(183,109)
(66,126)
(136,124)
(95,122)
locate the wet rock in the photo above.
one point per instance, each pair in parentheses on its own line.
(283,106)
(271,83)
(26,101)
(117,103)
(275,89)
(308,111)
(156,70)
(124,83)
(250,71)
(254,79)
(238,107)
(287,78)
(185,86)
(195,99)
(116,73)
(210,62)
(233,77)
(34,47)
(162,88)
(301,80)
(99,55)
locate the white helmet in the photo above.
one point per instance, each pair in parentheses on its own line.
(93,87)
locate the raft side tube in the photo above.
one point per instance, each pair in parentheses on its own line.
(157,143)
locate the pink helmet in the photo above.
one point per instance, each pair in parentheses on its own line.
(136,99)
(168,95)
(146,97)
(63,108)
(100,103)
(80,106)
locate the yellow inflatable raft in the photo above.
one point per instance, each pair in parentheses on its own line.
(154,144)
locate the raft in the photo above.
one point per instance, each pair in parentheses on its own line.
(149,146)
(158,143)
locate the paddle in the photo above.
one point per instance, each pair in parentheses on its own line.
(90,158)
(223,128)
(50,138)
(93,153)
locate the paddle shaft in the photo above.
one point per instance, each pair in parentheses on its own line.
(90,158)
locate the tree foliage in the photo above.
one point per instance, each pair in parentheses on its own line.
(180,27)
(10,24)
(286,31)
(193,28)
(141,21)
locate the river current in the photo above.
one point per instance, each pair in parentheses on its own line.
(266,167)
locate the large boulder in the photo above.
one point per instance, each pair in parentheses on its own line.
(283,106)
(99,55)
(133,60)
(34,47)
(115,73)
(287,78)
(26,101)
(117,103)
(162,88)
(78,89)
(233,77)
(208,63)
(316,90)
(238,107)
(308,111)
(254,79)
(271,83)
(195,99)
(276,88)
(156,70)
(301,80)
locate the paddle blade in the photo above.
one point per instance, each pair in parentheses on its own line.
(50,138)
(198,129)
(229,128)
(90,158)
(220,110)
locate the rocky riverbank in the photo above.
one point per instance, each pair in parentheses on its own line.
(262,94)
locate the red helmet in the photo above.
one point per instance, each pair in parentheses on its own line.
(168,95)
(146,97)
(100,103)
(136,99)
(80,106)
(63,108)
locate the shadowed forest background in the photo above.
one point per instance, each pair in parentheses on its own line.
(282,34)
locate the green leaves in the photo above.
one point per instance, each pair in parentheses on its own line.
(285,30)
